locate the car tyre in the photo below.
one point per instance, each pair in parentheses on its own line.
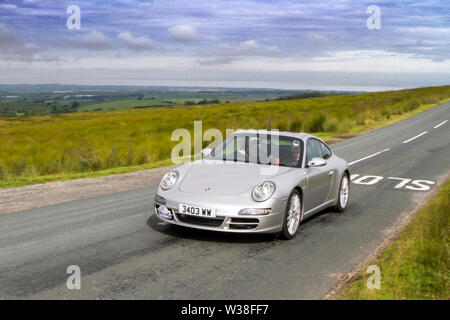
(344,193)
(292,216)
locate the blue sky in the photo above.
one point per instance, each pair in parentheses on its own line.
(279,44)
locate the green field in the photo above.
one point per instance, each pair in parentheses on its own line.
(124,104)
(417,264)
(40,100)
(36,100)
(130,104)
(87,142)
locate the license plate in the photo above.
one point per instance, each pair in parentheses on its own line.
(197,211)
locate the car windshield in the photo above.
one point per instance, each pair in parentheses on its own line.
(261,149)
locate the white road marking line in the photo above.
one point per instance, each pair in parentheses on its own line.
(365,158)
(405,183)
(419,135)
(440,124)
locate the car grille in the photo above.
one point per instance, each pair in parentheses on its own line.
(243,223)
(209,222)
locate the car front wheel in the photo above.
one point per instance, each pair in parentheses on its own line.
(292,216)
(344,193)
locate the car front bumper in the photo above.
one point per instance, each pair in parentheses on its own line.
(227,218)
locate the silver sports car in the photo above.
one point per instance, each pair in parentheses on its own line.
(255,181)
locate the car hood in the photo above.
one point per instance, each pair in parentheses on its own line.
(221,178)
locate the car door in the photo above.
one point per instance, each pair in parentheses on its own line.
(328,155)
(319,178)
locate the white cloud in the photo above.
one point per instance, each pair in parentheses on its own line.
(315,38)
(8,6)
(225,53)
(8,37)
(357,61)
(216,61)
(184,33)
(97,41)
(92,41)
(13,47)
(136,43)
(272,49)
(248,47)
(435,31)
(251,71)
(27,49)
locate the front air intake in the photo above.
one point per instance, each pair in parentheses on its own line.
(243,223)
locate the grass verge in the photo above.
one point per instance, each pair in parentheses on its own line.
(417,264)
(25,181)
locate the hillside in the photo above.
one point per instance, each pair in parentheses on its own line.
(92,141)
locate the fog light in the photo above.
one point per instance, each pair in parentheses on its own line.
(254,211)
(164,212)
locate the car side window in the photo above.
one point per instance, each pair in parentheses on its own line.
(326,153)
(313,149)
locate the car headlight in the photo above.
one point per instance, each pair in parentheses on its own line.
(263,191)
(169,180)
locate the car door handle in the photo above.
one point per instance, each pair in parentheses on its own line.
(331,173)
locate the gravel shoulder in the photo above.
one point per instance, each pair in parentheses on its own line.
(41,195)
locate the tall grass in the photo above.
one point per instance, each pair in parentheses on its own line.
(92,141)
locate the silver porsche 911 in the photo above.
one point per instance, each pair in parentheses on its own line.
(255,181)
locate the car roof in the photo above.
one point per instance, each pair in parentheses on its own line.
(298,135)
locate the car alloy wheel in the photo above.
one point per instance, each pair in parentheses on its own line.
(293,215)
(344,193)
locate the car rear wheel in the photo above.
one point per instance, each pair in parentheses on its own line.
(292,216)
(344,193)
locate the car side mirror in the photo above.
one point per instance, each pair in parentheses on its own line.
(317,162)
(206,152)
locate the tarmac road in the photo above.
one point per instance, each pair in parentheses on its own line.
(125,252)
